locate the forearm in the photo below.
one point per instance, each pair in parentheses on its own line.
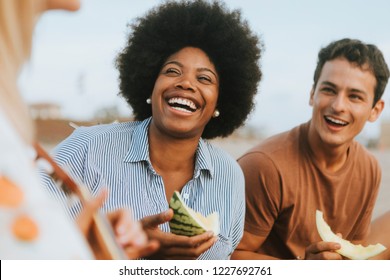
(380,233)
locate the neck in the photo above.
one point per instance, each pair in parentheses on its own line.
(330,158)
(169,153)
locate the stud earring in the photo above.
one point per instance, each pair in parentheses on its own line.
(149,101)
(216,113)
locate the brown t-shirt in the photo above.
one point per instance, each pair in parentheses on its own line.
(285,186)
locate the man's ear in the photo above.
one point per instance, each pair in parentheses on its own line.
(311,101)
(376,110)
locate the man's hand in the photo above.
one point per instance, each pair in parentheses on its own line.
(323,251)
(174,246)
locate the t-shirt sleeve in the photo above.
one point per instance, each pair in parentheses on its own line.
(263,192)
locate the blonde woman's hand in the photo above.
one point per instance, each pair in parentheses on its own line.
(129,233)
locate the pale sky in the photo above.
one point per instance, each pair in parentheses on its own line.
(73,53)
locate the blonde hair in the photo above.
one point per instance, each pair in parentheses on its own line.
(17,22)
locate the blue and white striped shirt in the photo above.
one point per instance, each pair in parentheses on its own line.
(116,156)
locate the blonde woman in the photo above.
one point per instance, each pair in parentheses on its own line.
(32,226)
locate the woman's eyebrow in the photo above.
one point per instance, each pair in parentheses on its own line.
(173,62)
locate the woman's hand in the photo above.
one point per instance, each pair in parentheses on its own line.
(174,246)
(129,233)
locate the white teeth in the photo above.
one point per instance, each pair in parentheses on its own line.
(182,101)
(336,121)
(182,109)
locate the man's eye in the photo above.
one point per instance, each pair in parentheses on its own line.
(355,97)
(328,89)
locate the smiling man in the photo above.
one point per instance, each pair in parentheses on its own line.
(318,165)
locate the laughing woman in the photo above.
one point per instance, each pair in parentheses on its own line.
(190,72)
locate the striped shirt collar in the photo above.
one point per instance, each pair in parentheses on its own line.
(139,151)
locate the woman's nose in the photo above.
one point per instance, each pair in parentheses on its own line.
(185,83)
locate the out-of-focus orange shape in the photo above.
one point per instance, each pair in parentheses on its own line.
(10,194)
(25,228)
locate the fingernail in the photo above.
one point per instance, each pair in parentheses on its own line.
(167,214)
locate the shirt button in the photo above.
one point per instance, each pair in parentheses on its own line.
(186,195)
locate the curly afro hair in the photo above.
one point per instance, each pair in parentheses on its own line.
(210,26)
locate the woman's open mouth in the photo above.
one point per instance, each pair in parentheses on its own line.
(182,104)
